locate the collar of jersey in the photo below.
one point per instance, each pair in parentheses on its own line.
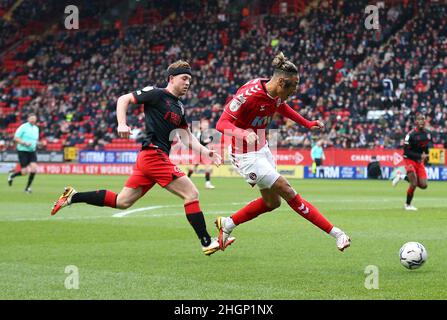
(166,90)
(265,89)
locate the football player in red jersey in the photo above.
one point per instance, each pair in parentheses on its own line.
(245,119)
(416,145)
(164,112)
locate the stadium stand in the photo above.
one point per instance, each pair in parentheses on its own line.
(365,84)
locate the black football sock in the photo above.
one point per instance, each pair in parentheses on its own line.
(30,179)
(16,174)
(207,176)
(98,198)
(410,194)
(197,221)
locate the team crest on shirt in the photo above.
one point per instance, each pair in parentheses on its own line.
(278,102)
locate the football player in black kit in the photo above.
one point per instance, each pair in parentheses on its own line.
(205,139)
(417,142)
(164,112)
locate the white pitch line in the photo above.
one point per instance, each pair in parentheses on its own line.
(127,212)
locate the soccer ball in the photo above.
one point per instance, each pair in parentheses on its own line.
(412,255)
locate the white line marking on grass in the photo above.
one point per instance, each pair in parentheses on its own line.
(127,212)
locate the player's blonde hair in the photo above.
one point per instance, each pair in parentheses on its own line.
(284,65)
(179,64)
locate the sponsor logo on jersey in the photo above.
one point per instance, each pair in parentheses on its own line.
(261,121)
(173,118)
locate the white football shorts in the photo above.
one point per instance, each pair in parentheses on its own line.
(257,167)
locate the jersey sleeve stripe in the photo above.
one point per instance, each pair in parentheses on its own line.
(230,114)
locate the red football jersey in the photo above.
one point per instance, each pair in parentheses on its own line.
(252,108)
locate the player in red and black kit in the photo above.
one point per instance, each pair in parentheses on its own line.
(204,139)
(416,147)
(245,119)
(164,113)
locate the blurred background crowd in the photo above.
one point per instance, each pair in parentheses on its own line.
(365,84)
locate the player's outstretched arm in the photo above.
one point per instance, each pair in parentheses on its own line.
(226,126)
(201,149)
(286,111)
(121,110)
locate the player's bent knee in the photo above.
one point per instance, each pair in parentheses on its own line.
(273,204)
(191,194)
(123,204)
(287,192)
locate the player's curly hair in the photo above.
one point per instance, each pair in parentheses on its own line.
(283,65)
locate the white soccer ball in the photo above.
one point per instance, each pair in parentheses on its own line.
(412,255)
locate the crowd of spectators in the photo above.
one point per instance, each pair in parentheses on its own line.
(365,84)
(8,32)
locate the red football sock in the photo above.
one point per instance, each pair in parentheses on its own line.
(250,211)
(308,211)
(110,199)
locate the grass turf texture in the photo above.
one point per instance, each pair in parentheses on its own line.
(154,253)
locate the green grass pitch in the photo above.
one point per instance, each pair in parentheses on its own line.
(154,254)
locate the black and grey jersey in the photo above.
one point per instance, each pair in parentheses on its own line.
(417,142)
(164,113)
